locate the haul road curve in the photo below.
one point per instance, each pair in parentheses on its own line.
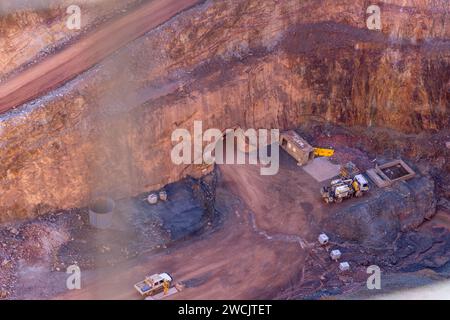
(88,51)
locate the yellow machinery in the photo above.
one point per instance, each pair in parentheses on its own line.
(166,286)
(322,152)
(340,189)
(355,186)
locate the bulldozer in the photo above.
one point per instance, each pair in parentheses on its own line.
(341,189)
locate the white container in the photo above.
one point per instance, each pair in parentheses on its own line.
(152,198)
(323,239)
(344,266)
(101,213)
(335,255)
(163,195)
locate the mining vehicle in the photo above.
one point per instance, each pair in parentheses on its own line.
(154,284)
(341,189)
(323,152)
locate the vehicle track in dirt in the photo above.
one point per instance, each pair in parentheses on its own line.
(87,52)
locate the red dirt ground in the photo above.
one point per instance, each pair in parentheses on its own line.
(270,227)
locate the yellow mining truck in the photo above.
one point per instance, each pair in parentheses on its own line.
(341,189)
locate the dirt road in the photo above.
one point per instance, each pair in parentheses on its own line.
(67,64)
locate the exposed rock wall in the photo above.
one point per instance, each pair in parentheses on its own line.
(229,63)
(31,29)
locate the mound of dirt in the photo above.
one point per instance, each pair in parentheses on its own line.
(29,244)
(40,242)
(7,276)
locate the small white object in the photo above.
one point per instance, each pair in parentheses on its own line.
(344,266)
(163,195)
(323,239)
(335,255)
(152,198)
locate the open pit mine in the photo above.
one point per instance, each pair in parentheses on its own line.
(224,149)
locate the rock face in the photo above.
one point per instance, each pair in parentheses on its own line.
(379,220)
(229,63)
(31,29)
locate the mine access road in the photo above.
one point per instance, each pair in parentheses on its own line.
(65,65)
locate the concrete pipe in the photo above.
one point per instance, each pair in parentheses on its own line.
(101,213)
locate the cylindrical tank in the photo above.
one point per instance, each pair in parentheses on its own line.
(163,195)
(152,198)
(101,213)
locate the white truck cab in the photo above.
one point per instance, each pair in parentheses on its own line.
(362,181)
(153,284)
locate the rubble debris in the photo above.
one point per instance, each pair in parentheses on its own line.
(349,170)
(13,231)
(180,286)
(444,204)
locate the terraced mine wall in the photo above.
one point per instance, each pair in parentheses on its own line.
(253,64)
